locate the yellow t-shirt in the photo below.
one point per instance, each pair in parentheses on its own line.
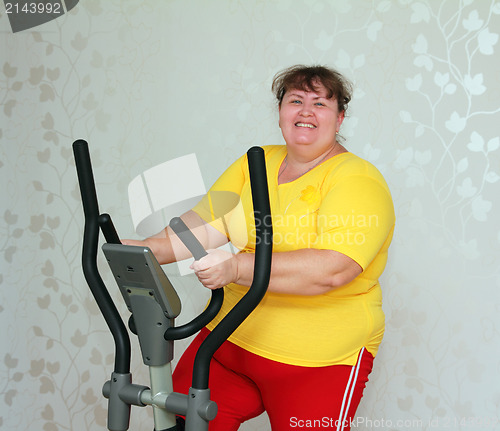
(343,204)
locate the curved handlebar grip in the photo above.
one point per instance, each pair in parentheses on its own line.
(200,321)
(188,238)
(197,250)
(262,270)
(89,258)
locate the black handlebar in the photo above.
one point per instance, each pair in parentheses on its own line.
(108,229)
(262,270)
(188,238)
(197,250)
(89,258)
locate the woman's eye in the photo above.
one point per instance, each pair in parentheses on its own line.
(296,102)
(320,104)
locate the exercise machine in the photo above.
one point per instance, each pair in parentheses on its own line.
(154,305)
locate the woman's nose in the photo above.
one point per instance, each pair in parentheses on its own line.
(306,109)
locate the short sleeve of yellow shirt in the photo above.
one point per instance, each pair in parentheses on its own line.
(344,204)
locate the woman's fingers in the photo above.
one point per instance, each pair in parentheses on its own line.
(216,269)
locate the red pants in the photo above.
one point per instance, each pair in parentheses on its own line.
(244,385)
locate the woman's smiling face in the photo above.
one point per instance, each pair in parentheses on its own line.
(309,118)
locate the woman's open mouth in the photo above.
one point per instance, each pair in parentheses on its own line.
(306,125)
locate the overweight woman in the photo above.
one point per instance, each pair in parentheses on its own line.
(305,353)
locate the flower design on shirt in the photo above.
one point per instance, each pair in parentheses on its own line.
(310,195)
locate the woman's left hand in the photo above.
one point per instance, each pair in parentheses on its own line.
(217,269)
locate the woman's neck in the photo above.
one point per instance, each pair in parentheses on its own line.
(297,164)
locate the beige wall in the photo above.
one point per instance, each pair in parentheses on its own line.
(147,81)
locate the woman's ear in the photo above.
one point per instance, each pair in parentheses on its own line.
(340,119)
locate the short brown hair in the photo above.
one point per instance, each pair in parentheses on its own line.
(307,78)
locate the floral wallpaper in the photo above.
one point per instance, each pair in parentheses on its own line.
(146,81)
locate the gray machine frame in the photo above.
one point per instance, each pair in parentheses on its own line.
(154,303)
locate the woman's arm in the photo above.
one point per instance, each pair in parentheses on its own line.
(302,272)
(299,272)
(168,248)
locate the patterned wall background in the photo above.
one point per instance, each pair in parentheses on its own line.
(147,81)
